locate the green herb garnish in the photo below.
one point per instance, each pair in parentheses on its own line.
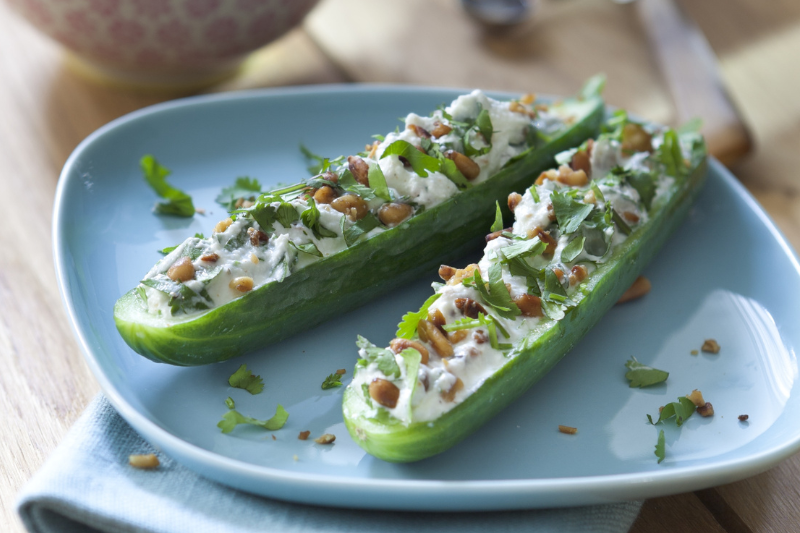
(407,328)
(178,202)
(497,225)
(310,218)
(681,410)
(232,418)
(244,379)
(641,375)
(569,211)
(660,447)
(382,357)
(230,403)
(420,163)
(243,188)
(332,381)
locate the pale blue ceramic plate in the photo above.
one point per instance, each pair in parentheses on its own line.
(727,274)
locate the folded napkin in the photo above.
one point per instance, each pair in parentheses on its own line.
(87,485)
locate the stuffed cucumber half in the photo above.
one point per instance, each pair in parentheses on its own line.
(291,258)
(582,233)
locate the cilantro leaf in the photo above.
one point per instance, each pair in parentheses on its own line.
(377,181)
(450,170)
(569,211)
(232,418)
(365,392)
(230,403)
(308,248)
(407,328)
(181,297)
(412,359)
(497,295)
(244,379)
(420,163)
(573,249)
(243,187)
(168,249)
(620,222)
(484,124)
(660,447)
(598,194)
(524,249)
(332,381)
(497,225)
(310,218)
(645,185)
(353,233)
(534,193)
(641,375)
(593,87)
(681,410)
(670,155)
(316,164)
(179,203)
(519,267)
(382,357)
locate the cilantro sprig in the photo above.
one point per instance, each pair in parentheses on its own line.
(243,188)
(680,410)
(382,357)
(407,327)
(641,375)
(233,418)
(496,294)
(178,202)
(244,379)
(333,380)
(569,211)
(310,218)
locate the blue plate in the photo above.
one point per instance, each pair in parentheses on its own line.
(727,274)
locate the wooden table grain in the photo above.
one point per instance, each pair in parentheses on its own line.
(45,111)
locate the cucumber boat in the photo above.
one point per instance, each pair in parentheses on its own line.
(582,234)
(291,258)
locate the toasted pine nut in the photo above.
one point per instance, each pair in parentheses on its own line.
(351,205)
(394,213)
(589,197)
(630,216)
(529,304)
(513,200)
(568,430)
(580,272)
(440,129)
(327,438)
(428,332)
(710,346)
(209,258)
(324,195)
(636,139)
(551,175)
(222,225)
(639,288)
(359,168)
(257,236)
(304,435)
(462,273)
(419,131)
(145,462)
(480,337)
(706,409)
(545,238)
(181,270)
(581,161)
(469,307)
(384,392)
(446,272)
(254,259)
(465,165)
(559,274)
(450,395)
(697,398)
(242,284)
(528,98)
(457,336)
(573,178)
(398,345)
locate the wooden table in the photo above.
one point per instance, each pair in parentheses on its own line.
(45,111)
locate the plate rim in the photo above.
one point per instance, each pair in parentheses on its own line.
(582,489)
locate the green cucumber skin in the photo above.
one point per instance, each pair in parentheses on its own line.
(390,440)
(338,283)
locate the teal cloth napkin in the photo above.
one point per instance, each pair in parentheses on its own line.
(87,485)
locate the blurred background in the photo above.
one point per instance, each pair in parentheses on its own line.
(69,66)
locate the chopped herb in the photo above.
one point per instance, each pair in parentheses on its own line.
(497,225)
(378,183)
(519,267)
(491,324)
(348,182)
(681,410)
(484,125)
(353,233)
(181,297)
(244,379)
(365,392)
(420,163)
(641,375)
(670,155)
(450,170)
(593,87)
(407,328)
(645,185)
(573,249)
(244,188)
(332,381)
(232,418)
(534,193)
(497,295)
(168,249)
(569,211)
(620,222)
(598,194)
(524,249)
(309,248)
(310,218)
(230,403)
(178,202)
(660,447)
(382,357)
(316,164)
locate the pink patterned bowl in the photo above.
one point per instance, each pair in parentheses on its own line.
(162,43)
